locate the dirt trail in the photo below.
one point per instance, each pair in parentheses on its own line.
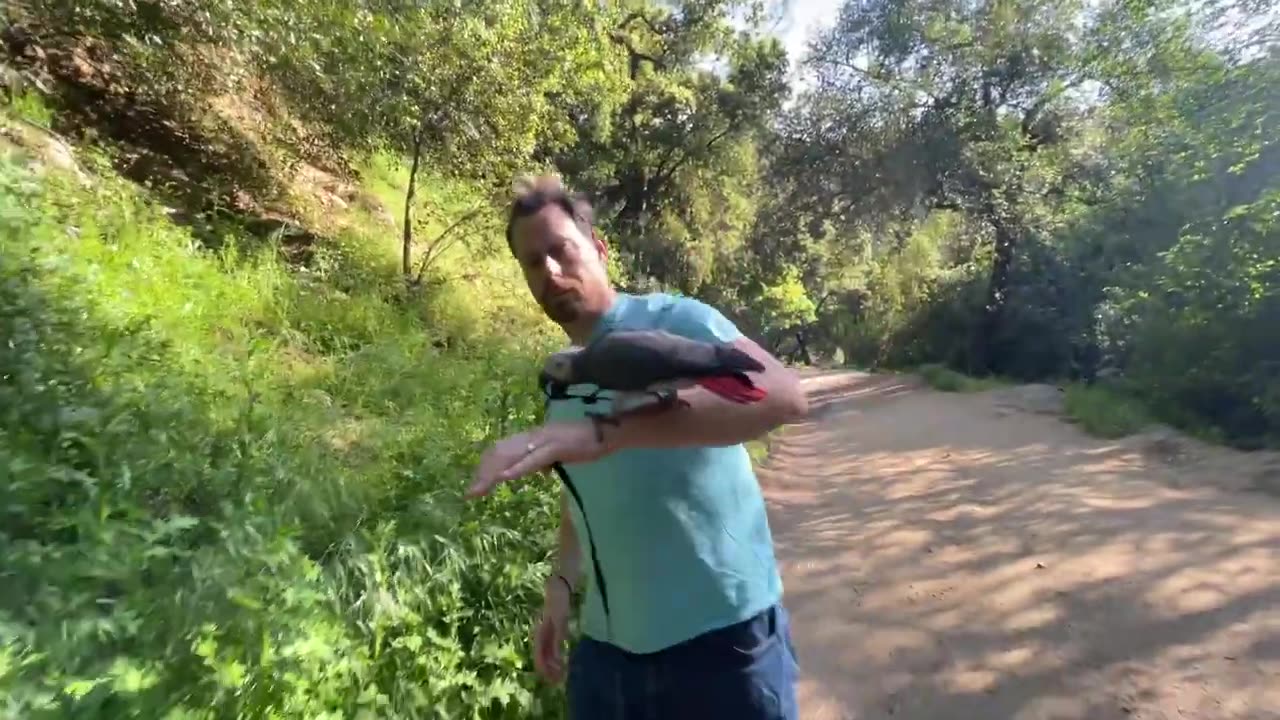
(951,556)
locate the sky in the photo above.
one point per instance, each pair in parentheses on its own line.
(797,21)
(794,22)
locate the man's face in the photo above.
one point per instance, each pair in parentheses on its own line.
(563,266)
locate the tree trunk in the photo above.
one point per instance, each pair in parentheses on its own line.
(443,242)
(997,294)
(802,349)
(406,253)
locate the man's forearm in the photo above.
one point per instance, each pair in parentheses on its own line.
(706,419)
(568,553)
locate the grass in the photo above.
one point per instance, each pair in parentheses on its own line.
(945,379)
(1101,410)
(231,487)
(29,106)
(1104,411)
(758,449)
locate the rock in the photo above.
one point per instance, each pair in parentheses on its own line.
(1036,398)
(1267,480)
(1108,373)
(46,149)
(13,81)
(1165,444)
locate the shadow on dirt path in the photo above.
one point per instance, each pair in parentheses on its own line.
(946,558)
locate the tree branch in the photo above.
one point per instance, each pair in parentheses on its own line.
(637,15)
(635,56)
(407,239)
(897,83)
(658,179)
(438,245)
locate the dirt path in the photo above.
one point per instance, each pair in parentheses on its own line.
(947,556)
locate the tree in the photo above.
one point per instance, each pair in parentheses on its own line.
(951,106)
(676,171)
(472,93)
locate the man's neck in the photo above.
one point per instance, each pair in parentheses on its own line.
(579,331)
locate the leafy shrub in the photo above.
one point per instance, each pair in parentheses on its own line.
(943,378)
(30,106)
(231,490)
(1204,343)
(1105,411)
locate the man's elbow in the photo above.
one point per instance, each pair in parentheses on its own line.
(787,400)
(795,405)
(791,402)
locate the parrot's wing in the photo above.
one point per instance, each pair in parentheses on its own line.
(637,359)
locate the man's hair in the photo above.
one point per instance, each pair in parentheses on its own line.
(533,194)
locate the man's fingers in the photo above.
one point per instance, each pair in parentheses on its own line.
(539,459)
(546,652)
(554,660)
(487,478)
(480,487)
(487,482)
(500,467)
(539,649)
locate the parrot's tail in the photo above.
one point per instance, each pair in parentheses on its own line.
(736,387)
(731,359)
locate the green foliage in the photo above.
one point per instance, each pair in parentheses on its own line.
(29,106)
(158,49)
(474,87)
(758,449)
(1105,411)
(1216,297)
(233,490)
(677,172)
(785,304)
(948,380)
(1109,178)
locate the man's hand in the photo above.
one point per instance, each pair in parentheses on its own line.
(528,452)
(551,631)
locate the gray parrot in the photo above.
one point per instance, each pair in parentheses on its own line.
(635,364)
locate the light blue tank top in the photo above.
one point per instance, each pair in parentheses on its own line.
(680,534)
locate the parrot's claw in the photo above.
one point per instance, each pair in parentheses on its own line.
(600,419)
(669,399)
(665,401)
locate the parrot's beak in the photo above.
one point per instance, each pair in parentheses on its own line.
(552,387)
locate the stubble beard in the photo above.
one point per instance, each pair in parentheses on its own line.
(564,309)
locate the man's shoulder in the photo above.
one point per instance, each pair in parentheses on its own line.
(679,314)
(651,306)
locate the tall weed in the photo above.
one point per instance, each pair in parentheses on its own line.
(230,489)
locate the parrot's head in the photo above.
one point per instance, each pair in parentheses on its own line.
(559,367)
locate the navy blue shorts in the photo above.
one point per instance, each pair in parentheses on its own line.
(745,671)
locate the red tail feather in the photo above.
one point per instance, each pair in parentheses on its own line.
(737,388)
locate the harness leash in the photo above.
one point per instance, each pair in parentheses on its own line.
(560,393)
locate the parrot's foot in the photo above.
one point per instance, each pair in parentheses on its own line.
(600,419)
(665,402)
(668,399)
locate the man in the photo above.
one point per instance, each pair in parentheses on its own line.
(682,616)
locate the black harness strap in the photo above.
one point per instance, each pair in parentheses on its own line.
(573,490)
